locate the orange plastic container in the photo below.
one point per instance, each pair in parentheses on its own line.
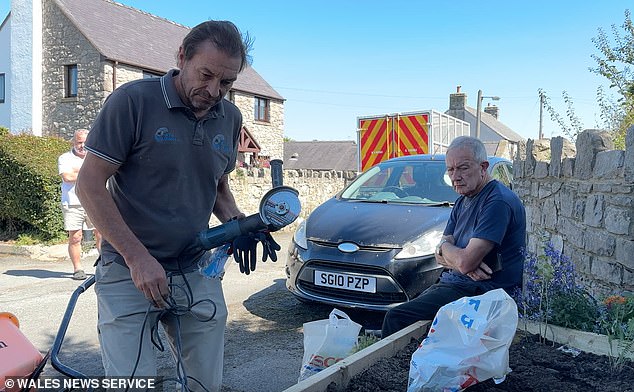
(18,357)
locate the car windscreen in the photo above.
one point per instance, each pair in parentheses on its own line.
(414,182)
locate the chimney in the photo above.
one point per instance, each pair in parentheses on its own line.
(457,100)
(492,110)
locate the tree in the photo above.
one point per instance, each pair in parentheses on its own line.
(570,130)
(614,62)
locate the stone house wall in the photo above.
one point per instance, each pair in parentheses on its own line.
(584,206)
(64,44)
(269,135)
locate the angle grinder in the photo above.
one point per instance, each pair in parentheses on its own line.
(279,208)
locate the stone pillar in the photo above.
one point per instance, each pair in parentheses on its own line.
(589,143)
(556,148)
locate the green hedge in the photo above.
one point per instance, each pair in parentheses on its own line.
(30,191)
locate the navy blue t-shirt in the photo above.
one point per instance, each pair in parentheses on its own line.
(495,214)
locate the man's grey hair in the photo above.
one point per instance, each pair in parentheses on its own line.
(472,144)
(78,132)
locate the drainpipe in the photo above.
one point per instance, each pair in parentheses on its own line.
(114,74)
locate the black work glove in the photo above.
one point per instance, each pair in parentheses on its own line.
(269,246)
(243,248)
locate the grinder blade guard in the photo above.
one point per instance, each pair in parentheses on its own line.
(279,208)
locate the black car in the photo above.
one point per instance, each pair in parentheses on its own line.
(372,245)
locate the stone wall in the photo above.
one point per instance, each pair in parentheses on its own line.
(64,45)
(314,187)
(584,205)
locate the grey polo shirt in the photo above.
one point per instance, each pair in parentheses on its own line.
(169,165)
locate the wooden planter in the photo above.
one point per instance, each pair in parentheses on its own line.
(584,341)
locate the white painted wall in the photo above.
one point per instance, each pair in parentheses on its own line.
(5,68)
(26,66)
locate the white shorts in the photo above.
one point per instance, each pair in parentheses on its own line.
(75,217)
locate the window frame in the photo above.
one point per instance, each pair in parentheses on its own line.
(3,87)
(231,96)
(70,77)
(261,109)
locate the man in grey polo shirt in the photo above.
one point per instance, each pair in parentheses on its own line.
(165,147)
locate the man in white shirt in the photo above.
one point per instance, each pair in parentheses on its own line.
(68,165)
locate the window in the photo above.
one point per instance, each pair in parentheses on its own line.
(70,89)
(231,96)
(2,88)
(261,109)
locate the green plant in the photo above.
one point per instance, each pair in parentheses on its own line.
(575,126)
(617,322)
(575,309)
(26,239)
(614,62)
(30,185)
(551,295)
(363,342)
(547,276)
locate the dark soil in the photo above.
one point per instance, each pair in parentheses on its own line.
(535,367)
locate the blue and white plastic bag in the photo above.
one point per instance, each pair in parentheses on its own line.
(212,263)
(468,342)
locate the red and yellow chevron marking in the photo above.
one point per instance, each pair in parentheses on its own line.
(374,141)
(381,138)
(413,135)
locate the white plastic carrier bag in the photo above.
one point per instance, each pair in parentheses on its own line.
(468,342)
(327,342)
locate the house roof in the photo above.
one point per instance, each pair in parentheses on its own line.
(4,21)
(495,125)
(321,155)
(131,36)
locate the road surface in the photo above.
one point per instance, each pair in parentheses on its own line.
(264,341)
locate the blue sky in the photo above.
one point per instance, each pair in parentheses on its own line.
(336,60)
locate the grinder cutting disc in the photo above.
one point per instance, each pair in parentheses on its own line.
(280,207)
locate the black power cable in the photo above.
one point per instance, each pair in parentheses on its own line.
(176,311)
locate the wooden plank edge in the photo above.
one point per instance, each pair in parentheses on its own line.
(342,372)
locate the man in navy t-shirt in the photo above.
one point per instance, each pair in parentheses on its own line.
(482,246)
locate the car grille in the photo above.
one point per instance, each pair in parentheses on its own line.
(381,298)
(361,247)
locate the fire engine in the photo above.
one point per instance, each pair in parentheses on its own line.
(386,136)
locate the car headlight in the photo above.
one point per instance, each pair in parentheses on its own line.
(422,246)
(300,235)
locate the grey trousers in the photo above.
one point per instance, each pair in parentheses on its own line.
(425,306)
(124,332)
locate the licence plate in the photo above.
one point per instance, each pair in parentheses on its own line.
(366,284)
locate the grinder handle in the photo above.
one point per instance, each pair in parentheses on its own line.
(276,172)
(228,231)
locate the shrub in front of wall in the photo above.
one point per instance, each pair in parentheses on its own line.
(29,183)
